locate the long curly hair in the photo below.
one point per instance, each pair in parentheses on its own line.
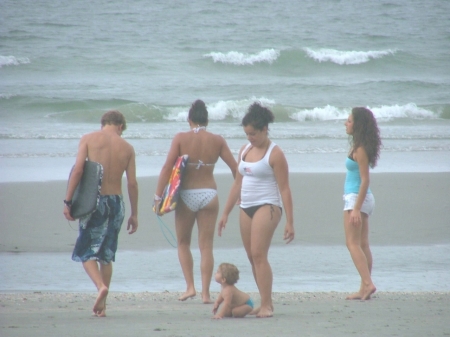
(366,134)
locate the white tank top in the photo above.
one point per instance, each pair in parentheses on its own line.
(259,186)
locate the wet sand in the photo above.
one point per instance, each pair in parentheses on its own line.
(411,209)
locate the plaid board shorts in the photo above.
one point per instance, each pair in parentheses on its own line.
(99,231)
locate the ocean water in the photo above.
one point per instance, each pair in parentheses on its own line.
(63,65)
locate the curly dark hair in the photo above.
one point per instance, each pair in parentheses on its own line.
(258,116)
(366,134)
(198,113)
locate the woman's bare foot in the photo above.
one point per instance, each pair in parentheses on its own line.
(255,311)
(206,299)
(100,302)
(354,296)
(367,292)
(265,312)
(363,294)
(187,295)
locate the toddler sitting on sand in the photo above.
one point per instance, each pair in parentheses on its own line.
(235,303)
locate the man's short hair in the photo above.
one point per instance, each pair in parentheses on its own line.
(114,117)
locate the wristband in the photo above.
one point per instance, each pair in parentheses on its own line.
(157,198)
(68,203)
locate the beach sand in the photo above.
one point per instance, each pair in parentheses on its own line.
(411,209)
(160,314)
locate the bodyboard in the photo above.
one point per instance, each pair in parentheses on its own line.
(171,192)
(87,193)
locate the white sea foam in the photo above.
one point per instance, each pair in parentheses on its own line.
(241,59)
(385,112)
(326,113)
(346,57)
(13,61)
(221,109)
(410,110)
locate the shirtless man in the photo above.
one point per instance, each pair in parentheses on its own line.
(97,241)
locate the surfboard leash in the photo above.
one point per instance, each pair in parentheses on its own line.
(165,229)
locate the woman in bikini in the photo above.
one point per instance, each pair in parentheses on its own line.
(198,194)
(262,183)
(359,202)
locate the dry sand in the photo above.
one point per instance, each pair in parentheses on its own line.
(411,209)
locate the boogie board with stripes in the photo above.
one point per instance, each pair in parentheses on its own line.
(171,192)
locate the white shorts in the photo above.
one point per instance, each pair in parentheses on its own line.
(367,206)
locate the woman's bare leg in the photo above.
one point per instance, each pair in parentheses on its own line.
(184,223)
(262,227)
(358,245)
(206,222)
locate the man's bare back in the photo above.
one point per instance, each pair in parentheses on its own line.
(113,153)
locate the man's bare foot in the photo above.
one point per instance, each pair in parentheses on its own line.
(103,313)
(100,302)
(186,295)
(264,312)
(368,292)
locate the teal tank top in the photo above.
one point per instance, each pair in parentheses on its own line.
(353,178)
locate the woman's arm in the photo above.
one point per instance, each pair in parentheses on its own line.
(166,170)
(227,157)
(362,159)
(281,171)
(233,196)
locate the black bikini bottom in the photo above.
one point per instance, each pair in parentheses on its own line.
(250,211)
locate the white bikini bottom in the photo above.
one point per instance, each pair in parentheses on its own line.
(196,199)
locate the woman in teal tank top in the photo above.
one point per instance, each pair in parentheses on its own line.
(364,134)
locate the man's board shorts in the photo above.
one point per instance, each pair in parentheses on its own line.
(99,231)
(367,206)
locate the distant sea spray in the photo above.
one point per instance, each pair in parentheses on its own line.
(346,57)
(239,58)
(13,61)
(351,57)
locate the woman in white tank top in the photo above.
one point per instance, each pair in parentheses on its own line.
(262,183)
